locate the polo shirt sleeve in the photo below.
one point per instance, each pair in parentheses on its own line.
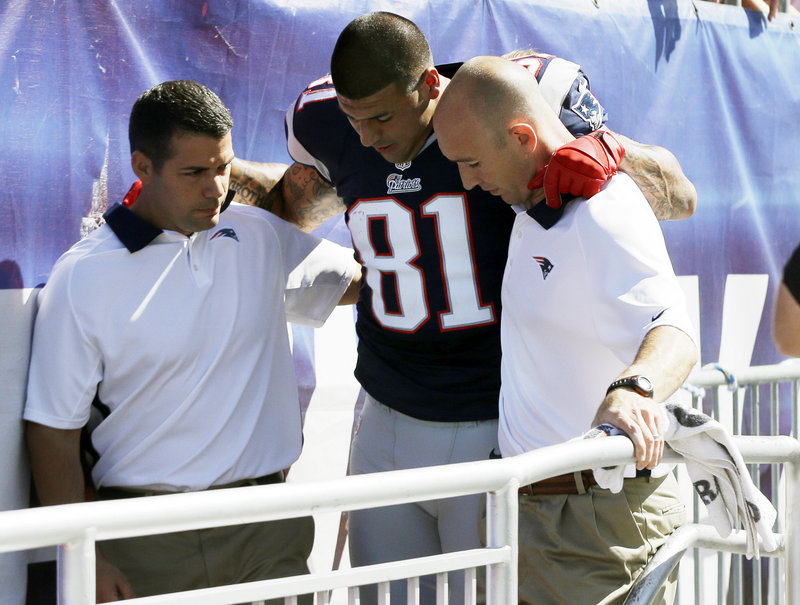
(791,274)
(65,368)
(629,271)
(318,272)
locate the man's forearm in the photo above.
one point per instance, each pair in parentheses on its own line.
(658,174)
(255,183)
(55,464)
(786,322)
(666,356)
(309,200)
(350,297)
(297,194)
(58,475)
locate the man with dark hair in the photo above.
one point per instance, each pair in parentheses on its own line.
(171,319)
(360,71)
(171,108)
(433,253)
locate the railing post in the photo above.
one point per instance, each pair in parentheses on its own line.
(76,571)
(502,530)
(791,533)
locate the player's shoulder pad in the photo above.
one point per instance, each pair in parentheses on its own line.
(539,63)
(316,111)
(318,91)
(566,89)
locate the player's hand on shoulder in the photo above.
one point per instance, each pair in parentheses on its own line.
(580,167)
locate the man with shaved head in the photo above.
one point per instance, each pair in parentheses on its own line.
(594,332)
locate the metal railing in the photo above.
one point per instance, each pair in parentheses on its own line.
(759,400)
(76,527)
(755,400)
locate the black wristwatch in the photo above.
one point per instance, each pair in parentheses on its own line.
(640,384)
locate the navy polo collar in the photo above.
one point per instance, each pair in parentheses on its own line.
(547,216)
(133,231)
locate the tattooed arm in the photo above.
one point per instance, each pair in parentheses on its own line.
(298,194)
(658,174)
(254,183)
(308,199)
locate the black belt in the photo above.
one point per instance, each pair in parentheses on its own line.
(118,493)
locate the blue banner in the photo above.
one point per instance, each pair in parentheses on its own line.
(715,84)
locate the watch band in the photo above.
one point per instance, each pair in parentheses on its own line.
(639,384)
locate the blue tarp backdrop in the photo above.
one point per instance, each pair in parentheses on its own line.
(715,84)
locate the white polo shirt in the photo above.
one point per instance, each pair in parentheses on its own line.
(185,340)
(578,299)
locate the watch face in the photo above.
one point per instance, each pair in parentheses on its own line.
(644,384)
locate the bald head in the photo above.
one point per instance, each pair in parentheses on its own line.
(498,92)
(494,122)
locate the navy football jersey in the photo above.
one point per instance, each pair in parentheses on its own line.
(433,254)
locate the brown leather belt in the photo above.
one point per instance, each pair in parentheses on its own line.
(562,484)
(117,493)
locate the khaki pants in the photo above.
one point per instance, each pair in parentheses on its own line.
(213,557)
(589,548)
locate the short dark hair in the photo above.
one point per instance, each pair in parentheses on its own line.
(376,50)
(179,106)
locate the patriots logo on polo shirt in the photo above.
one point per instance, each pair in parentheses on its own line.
(545,265)
(403,165)
(226,232)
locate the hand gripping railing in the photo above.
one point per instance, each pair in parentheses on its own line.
(759,450)
(76,527)
(754,400)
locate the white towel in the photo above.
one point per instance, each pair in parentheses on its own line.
(717,471)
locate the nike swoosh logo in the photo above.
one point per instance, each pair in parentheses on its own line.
(657,315)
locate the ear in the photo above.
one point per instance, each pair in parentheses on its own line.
(525,136)
(142,166)
(433,82)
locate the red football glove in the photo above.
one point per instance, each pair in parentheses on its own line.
(580,167)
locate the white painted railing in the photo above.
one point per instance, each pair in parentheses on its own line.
(76,527)
(753,400)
